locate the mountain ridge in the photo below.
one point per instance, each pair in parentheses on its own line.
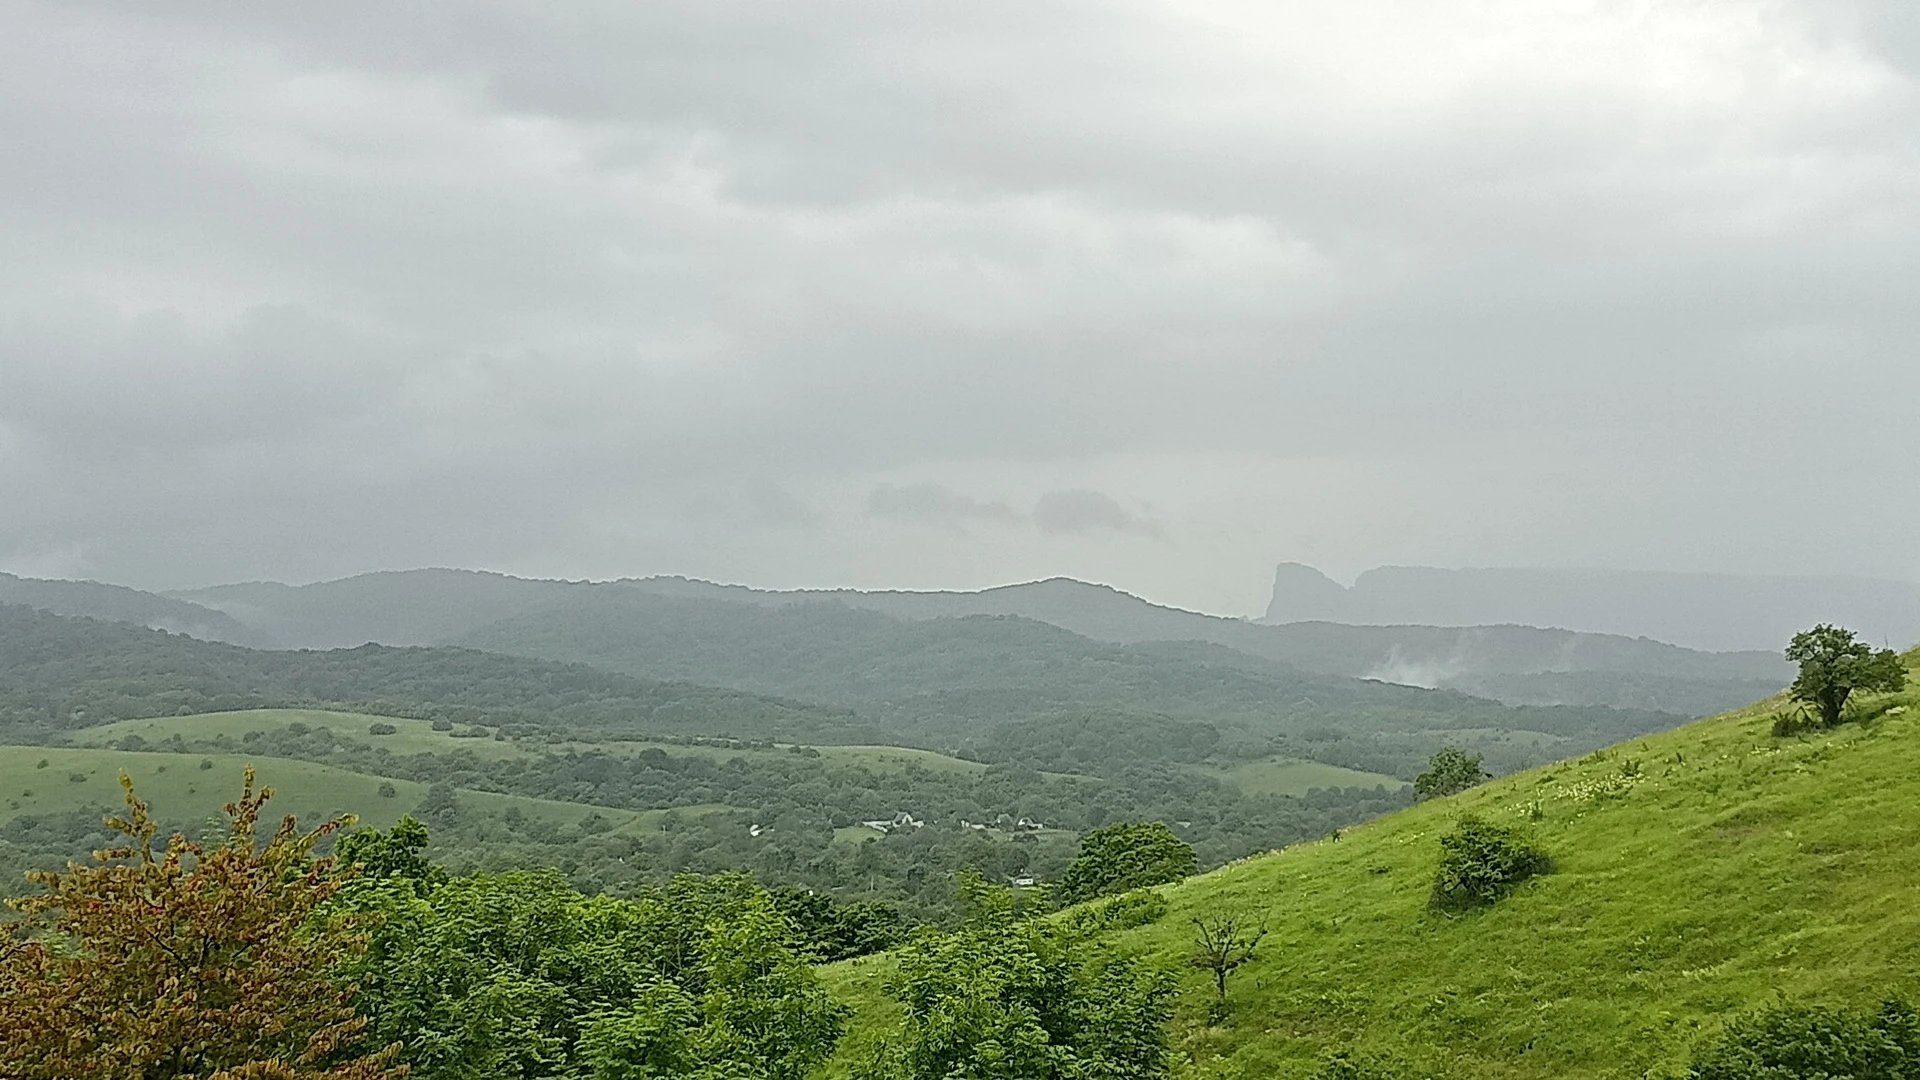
(1515,664)
(1701,611)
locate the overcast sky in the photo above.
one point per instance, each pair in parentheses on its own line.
(924,295)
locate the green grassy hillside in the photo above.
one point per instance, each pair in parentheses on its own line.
(1698,872)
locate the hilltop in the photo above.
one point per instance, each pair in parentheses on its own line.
(1698,872)
(117,603)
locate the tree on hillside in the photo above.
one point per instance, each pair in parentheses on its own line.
(192,961)
(1125,856)
(1449,771)
(1223,942)
(1834,664)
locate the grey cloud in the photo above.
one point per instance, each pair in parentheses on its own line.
(935,504)
(295,291)
(1080,510)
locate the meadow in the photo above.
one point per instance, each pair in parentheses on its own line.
(190,788)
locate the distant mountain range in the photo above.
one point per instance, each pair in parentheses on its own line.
(1518,665)
(970,671)
(1702,611)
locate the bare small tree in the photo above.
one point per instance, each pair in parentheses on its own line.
(1222,943)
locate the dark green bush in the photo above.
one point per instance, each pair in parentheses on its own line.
(1788,1041)
(1124,912)
(381,728)
(1480,862)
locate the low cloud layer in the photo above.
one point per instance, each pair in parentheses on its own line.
(1080,511)
(901,296)
(936,504)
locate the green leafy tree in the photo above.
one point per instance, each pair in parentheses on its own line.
(764,1007)
(395,853)
(1449,772)
(647,1037)
(1006,998)
(517,975)
(1834,665)
(1126,856)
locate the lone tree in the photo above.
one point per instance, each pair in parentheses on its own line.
(1834,664)
(1449,771)
(1126,856)
(1221,943)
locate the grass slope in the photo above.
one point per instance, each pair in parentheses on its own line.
(1699,871)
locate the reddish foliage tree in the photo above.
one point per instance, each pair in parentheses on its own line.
(197,962)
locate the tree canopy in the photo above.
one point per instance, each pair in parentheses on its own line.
(1834,665)
(1449,771)
(1128,855)
(1008,998)
(519,975)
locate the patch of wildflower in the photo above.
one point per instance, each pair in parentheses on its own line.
(1596,788)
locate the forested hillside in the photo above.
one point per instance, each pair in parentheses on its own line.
(64,673)
(117,603)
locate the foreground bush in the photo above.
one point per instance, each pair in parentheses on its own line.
(519,975)
(1787,1042)
(1007,998)
(193,961)
(1481,862)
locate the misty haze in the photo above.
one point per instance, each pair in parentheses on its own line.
(1039,541)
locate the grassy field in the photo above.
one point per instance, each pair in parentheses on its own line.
(417,736)
(185,788)
(1292,776)
(412,736)
(1698,872)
